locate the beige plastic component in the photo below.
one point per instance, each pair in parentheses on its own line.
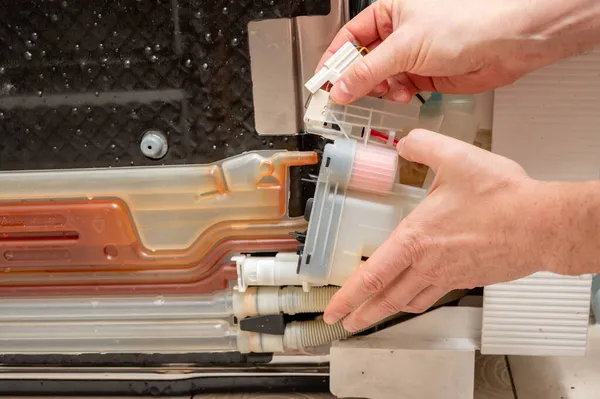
(172,206)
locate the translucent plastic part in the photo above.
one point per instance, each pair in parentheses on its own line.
(349,221)
(362,118)
(171,207)
(218,305)
(171,336)
(142,230)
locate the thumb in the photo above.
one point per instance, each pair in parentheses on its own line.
(387,59)
(433,149)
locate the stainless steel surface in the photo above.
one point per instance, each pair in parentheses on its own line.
(295,46)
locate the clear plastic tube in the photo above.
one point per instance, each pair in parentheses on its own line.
(38,309)
(173,336)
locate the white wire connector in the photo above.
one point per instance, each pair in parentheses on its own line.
(334,67)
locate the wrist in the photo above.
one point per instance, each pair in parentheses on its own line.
(546,31)
(567,229)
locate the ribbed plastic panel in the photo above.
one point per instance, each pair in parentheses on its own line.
(541,315)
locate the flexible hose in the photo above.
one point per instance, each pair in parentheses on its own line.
(258,301)
(295,300)
(306,334)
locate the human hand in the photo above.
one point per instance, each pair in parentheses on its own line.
(459,46)
(481,223)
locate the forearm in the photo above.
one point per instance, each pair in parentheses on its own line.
(569,227)
(562,27)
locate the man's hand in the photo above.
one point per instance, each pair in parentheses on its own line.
(459,46)
(481,223)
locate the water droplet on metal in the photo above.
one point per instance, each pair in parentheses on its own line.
(99,16)
(89,70)
(225,10)
(157,47)
(28,55)
(148,50)
(127,63)
(214,147)
(1,115)
(54,17)
(115,33)
(205,66)
(271,144)
(104,60)
(77,47)
(235,41)
(97,94)
(117,159)
(153,59)
(95,23)
(198,14)
(40,93)
(208,37)
(261,14)
(74,110)
(2,70)
(55,148)
(79,132)
(101,46)
(29,44)
(188,63)
(112,146)
(43,53)
(64,4)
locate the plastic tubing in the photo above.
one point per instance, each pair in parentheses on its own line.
(172,336)
(217,305)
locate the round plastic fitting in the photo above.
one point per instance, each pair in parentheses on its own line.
(154,144)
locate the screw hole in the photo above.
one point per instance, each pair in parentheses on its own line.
(149,147)
(111,252)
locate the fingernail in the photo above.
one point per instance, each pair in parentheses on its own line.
(401,95)
(331,318)
(340,93)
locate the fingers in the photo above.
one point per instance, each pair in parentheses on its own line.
(432,149)
(424,300)
(394,256)
(402,88)
(387,59)
(388,302)
(362,30)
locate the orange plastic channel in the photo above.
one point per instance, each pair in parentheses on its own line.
(197,279)
(66,236)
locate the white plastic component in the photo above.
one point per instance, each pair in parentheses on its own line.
(346,224)
(334,67)
(403,358)
(259,343)
(541,315)
(357,120)
(280,270)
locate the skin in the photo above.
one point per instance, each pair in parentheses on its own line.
(484,220)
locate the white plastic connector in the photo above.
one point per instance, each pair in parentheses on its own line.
(334,67)
(279,270)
